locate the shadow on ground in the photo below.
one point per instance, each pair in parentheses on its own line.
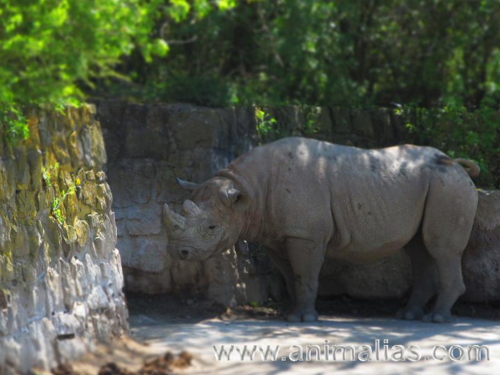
(166,322)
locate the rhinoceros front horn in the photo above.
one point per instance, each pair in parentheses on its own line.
(173,220)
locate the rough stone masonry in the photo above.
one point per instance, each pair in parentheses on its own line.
(60,274)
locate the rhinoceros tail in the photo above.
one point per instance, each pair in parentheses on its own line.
(471,168)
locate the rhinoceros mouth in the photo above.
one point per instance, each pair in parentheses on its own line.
(214,252)
(187,252)
(195,254)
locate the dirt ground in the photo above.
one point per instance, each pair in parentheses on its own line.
(171,307)
(165,329)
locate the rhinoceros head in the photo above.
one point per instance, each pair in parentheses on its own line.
(210,225)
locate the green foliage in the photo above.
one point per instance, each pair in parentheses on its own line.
(47,174)
(206,91)
(51,49)
(56,211)
(460,133)
(311,125)
(47,45)
(278,122)
(16,125)
(54,51)
(415,52)
(56,205)
(266,125)
(50,174)
(421,52)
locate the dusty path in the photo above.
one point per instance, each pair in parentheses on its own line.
(164,323)
(198,336)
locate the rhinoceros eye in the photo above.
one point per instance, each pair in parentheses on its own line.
(212,227)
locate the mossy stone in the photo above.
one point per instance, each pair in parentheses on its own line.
(61,150)
(82,232)
(27,209)
(7,179)
(21,245)
(34,238)
(53,238)
(36,167)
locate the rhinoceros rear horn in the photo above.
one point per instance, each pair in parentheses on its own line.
(173,220)
(190,208)
(186,184)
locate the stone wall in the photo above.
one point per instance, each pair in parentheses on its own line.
(150,145)
(60,275)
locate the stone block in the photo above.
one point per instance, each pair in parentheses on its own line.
(184,273)
(362,123)
(194,127)
(146,134)
(132,182)
(23,171)
(148,255)
(139,281)
(341,118)
(383,131)
(144,220)
(386,278)
(60,149)
(481,259)
(222,277)
(21,244)
(55,298)
(97,300)
(7,178)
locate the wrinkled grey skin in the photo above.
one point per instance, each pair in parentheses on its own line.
(306,200)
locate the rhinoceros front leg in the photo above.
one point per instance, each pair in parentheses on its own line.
(283,264)
(306,259)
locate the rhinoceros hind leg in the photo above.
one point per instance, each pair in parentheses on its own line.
(451,286)
(306,258)
(425,279)
(447,224)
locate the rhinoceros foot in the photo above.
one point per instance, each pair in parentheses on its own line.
(410,314)
(302,316)
(437,318)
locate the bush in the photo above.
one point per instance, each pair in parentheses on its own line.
(52,51)
(430,53)
(460,133)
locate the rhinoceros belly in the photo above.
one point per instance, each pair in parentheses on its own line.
(373,221)
(360,253)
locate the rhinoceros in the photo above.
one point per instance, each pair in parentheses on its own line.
(306,200)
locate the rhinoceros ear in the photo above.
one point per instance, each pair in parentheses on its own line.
(236,199)
(186,184)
